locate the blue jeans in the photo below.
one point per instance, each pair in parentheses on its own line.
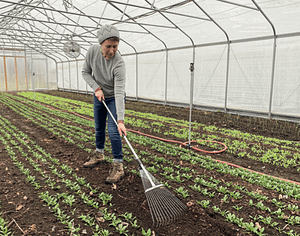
(100,116)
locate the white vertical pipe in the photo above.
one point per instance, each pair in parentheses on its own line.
(274,57)
(77,75)
(191,96)
(166,78)
(70,86)
(47,73)
(136,77)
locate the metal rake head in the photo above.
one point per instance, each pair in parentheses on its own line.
(164,206)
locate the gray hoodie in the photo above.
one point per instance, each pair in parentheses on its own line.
(108,74)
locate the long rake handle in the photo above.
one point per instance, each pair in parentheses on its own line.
(131,148)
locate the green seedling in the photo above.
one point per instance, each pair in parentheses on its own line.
(122,229)
(3,228)
(89,221)
(182,192)
(69,200)
(216,209)
(105,197)
(146,233)
(204,203)
(101,232)
(72,229)
(237,207)
(225,198)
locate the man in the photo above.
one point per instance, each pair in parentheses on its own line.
(104,71)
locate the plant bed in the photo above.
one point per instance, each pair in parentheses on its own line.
(46,191)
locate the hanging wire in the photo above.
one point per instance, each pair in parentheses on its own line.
(68,4)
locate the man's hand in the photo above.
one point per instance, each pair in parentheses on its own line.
(121,128)
(99,94)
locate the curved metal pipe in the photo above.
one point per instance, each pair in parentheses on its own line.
(228,53)
(274,57)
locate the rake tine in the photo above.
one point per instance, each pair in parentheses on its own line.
(153,214)
(163,213)
(174,204)
(154,201)
(155,207)
(169,198)
(164,206)
(156,212)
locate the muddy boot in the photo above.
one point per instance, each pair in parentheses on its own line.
(95,159)
(116,173)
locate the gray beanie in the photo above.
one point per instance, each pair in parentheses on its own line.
(107,31)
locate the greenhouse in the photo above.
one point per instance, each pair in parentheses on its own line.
(150,117)
(232,56)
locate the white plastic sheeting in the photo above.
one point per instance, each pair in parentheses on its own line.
(244,52)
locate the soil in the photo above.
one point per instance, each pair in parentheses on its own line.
(27,214)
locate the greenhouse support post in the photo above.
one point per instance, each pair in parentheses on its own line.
(26,75)
(274,57)
(5,73)
(136,76)
(16,72)
(227,77)
(47,73)
(69,75)
(191,100)
(77,76)
(166,78)
(62,70)
(33,84)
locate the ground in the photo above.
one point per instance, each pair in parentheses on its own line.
(26,214)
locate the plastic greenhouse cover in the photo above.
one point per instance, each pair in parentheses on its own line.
(245,52)
(152,24)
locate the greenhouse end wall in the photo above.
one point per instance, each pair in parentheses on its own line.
(26,70)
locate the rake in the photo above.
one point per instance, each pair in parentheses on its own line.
(164,206)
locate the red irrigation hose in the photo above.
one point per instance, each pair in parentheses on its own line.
(185,143)
(230,164)
(197,149)
(212,152)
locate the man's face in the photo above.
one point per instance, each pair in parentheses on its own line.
(109,48)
